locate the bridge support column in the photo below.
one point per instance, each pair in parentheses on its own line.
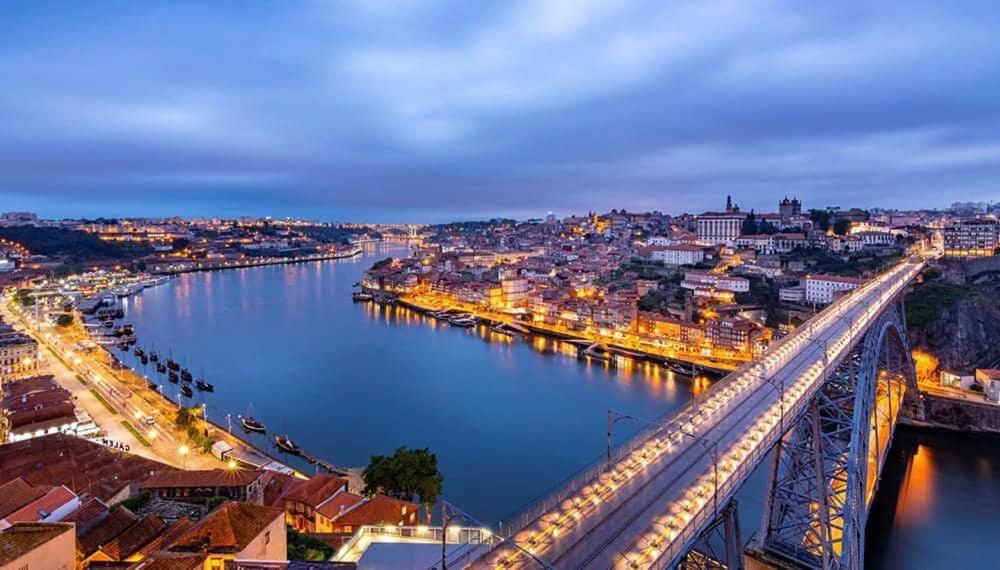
(827,466)
(720,546)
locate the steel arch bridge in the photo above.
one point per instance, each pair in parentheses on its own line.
(824,399)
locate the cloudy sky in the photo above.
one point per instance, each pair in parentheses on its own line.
(430,110)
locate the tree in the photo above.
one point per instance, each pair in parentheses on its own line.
(25,297)
(841,226)
(406,474)
(821,218)
(64,320)
(749,224)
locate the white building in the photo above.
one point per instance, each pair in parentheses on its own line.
(677,254)
(972,238)
(795,294)
(694,279)
(822,289)
(716,228)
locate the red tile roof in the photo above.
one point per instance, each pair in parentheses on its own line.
(173,561)
(378,509)
(18,492)
(22,538)
(227,529)
(90,512)
(167,537)
(39,509)
(104,532)
(134,537)
(316,489)
(202,478)
(275,486)
(81,465)
(338,504)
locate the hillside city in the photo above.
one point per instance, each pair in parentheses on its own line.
(101,470)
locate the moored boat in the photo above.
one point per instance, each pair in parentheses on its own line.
(153,356)
(361,296)
(462,321)
(285,444)
(204,386)
(251,424)
(160,367)
(186,376)
(172,377)
(186,391)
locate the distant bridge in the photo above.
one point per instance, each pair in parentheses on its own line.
(826,398)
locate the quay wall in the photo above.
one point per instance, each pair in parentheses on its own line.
(210,265)
(953,414)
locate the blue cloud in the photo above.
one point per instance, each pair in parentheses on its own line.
(434,109)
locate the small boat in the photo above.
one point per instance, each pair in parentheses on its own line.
(286,445)
(499,329)
(186,391)
(144,359)
(186,376)
(108,324)
(128,329)
(123,347)
(172,364)
(250,424)
(153,356)
(172,377)
(139,352)
(160,367)
(361,296)
(465,322)
(204,386)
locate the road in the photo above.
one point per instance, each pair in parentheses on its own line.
(65,364)
(670,480)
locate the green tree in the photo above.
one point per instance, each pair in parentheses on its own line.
(749,224)
(64,320)
(24,297)
(821,218)
(841,226)
(406,474)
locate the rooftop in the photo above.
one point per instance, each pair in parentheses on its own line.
(22,538)
(228,529)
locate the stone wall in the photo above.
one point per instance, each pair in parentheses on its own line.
(958,415)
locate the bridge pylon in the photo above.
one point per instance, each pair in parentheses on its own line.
(827,465)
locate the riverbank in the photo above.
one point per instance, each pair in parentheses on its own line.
(699,365)
(178,267)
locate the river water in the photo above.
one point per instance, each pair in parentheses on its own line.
(508,419)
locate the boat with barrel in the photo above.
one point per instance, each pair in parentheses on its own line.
(287,445)
(186,375)
(160,367)
(250,423)
(203,386)
(186,391)
(172,376)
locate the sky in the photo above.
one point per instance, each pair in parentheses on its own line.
(426,111)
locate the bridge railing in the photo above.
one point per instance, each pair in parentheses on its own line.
(681,415)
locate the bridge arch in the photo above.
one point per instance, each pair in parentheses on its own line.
(827,466)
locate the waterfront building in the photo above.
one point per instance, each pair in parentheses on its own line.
(823,289)
(794,294)
(989,379)
(18,353)
(972,238)
(35,407)
(739,336)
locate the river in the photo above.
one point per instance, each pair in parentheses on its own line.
(508,419)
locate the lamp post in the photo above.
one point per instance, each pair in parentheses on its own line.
(614,417)
(184,452)
(713,450)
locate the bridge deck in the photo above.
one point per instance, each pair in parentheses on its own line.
(649,508)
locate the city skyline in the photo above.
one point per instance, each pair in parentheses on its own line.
(440,111)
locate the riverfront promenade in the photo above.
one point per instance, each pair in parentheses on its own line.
(645,345)
(119,402)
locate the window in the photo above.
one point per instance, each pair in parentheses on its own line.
(267,538)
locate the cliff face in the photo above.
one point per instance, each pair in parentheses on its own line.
(956,317)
